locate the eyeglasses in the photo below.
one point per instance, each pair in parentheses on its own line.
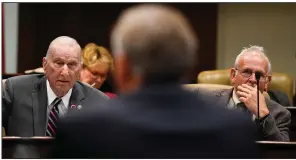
(247,73)
(97,75)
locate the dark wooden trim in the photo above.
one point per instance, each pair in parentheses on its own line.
(40,23)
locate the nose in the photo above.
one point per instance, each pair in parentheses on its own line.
(252,78)
(65,70)
(99,79)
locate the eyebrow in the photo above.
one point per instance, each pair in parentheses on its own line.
(253,70)
(66,60)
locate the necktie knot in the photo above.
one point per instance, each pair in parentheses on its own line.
(241,106)
(56,101)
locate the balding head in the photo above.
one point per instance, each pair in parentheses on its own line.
(157,40)
(253,51)
(62,64)
(63,42)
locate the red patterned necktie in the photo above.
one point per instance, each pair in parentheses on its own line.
(53,118)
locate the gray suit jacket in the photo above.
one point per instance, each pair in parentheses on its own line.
(275,126)
(24,106)
(24,103)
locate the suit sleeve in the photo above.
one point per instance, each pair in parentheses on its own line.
(7,102)
(276,127)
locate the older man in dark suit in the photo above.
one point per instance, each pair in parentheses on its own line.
(32,104)
(154,47)
(274,119)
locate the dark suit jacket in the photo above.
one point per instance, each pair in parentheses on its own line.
(275,126)
(24,104)
(156,122)
(279,97)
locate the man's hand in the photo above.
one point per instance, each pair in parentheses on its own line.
(248,95)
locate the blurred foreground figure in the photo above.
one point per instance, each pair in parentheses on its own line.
(154,48)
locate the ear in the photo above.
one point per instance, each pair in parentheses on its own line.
(267,83)
(122,72)
(44,63)
(79,70)
(232,75)
(83,74)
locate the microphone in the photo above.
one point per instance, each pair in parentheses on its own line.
(258,75)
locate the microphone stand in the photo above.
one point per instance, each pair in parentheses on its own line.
(260,129)
(257,76)
(258,115)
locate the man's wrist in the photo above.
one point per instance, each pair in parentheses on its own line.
(264,113)
(264,117)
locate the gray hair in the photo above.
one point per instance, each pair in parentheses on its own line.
(257,50)
(63,41)
(157,39)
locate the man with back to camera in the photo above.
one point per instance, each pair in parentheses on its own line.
(274,119)
(32,104)
(154,47)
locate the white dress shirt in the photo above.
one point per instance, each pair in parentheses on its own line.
(51,96)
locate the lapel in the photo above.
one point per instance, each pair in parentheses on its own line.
(223,96)
(77,97)
(268,103)
(39,98)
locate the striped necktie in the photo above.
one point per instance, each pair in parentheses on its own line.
(53,118)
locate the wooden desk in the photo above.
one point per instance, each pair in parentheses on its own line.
(278,150)
(26,147)
(43,146)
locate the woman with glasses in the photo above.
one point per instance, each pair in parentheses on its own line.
(97,63)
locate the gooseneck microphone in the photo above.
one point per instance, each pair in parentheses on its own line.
(258,75)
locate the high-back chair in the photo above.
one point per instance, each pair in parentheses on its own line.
(211,87)
(279,81)
(3,86)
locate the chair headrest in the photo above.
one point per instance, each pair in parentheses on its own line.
(212,87)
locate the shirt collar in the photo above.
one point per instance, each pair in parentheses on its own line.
(235,98)
(51,95)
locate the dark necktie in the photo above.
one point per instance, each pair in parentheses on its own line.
(243,108)
(53,118)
